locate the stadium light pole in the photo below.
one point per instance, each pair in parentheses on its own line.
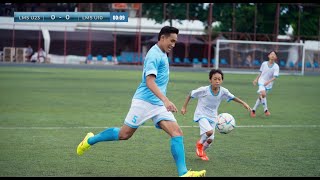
(164,11)
(139,32)
(276,24)
(90,33)
(65,44)
(299,14)
(255,22)
(187,44)
(115,41)
(13,36)
(233,30)
(209,34)
(78,9)
(39,38)
(233,20)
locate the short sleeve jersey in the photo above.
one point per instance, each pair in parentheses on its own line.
(156,63)
(268,72)
(208,102)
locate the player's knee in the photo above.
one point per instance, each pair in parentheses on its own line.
(210,138)
(124,136)
(176,132)
(209,133)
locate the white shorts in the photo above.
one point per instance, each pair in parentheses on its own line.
(263,88)
(141,111)
(206,126)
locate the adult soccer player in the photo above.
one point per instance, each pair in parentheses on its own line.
(269,71)
(209,99)
(150,102)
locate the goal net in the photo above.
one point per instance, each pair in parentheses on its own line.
(246,56)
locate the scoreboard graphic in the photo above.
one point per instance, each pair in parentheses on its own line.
(70,16)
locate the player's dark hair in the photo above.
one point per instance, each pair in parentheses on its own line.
(214,71)
(274,52)
(167,30)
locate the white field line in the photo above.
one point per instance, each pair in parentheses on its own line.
(86,127)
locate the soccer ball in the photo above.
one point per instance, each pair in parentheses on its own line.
(225,123)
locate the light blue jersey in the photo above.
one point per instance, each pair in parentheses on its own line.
(156,62)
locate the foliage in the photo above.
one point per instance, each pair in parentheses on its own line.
(244,16)
(309,19)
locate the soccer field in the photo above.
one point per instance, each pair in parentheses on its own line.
(46,112)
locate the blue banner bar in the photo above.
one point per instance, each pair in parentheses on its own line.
(70,17)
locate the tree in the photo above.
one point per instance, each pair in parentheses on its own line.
(169,11)
(309,19)
(243,15)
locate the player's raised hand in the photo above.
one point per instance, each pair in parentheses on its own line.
(170,106)
(247,107)
(266,83)
(254,82)
(183,110)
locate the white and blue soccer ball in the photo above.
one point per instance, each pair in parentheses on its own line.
(225,123)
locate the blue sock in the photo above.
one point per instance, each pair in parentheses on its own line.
(177,151)
(110,134)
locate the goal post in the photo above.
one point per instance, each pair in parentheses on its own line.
(240,56)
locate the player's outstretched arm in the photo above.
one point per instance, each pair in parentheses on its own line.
(185,104)
(268,82)
(155,89)
(238,100)
(255,81)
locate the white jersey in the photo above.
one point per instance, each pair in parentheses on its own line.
(267,73)
(208,103)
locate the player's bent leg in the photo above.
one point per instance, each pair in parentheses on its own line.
(178,154)
(126,132)
(84,145)
(199,149)
(176,143)
(171,128)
